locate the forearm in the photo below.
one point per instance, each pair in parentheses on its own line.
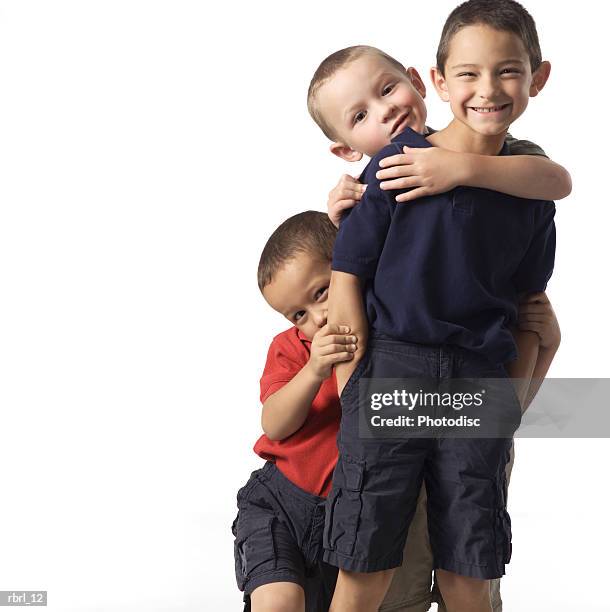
(285,411)
(522,369)
(524,176)
(543,363)
(346,307)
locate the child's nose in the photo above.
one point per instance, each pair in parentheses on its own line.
(388,111)
(488,88)
(320,318)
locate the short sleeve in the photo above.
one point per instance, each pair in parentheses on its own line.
(523,147)
(285,359)
(363,230)
(536,267)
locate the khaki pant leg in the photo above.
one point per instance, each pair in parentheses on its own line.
(412,581)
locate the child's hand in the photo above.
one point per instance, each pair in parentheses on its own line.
(426,171)
(347,192)
(330,345)
(536,314)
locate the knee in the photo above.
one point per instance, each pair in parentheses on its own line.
(368,581)
(278,597)
(361,592)
(463,592)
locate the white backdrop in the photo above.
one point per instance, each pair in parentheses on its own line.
(147,150)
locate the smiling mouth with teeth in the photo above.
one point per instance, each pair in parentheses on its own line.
(489,109)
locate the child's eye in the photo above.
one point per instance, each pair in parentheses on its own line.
(298,315)
(466,74)
(320,293)
(359,117)
(509,71)
(387,89)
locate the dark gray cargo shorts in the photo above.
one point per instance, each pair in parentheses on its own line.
(278,538)
(377,482)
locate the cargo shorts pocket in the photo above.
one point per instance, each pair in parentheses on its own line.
(503,525)
(504,543)
(254,548)
(352,381)
(511,399)
(344,506)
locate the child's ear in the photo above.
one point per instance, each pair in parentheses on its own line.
(417,81)
(440,84)
(539,78)
(345,152)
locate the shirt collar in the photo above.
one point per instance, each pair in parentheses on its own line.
(302,337)
(504,150)
(411,138)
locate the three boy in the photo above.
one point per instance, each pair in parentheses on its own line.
(297,287)
(278,531)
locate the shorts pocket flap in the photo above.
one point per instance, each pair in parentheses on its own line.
(250,525)
(254,547)
(353,471)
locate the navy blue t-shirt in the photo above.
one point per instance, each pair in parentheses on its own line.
(446,269)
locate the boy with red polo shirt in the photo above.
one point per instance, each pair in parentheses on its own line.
(278,531)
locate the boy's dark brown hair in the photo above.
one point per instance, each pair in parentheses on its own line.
(308,232)
(328,68)
(503,15)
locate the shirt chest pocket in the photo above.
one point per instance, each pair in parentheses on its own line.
(462,202)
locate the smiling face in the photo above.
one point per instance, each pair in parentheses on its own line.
(487,79)
(299,291)
(370,101)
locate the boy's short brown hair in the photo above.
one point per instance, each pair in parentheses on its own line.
(328,68)
(502,15)
(308,232)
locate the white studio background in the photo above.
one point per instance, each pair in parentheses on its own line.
(147,150)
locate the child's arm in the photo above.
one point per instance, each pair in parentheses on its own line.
(536,314)
(346,307)
(530,176)
(285,411)
(358,246)
(434,170)
(537,338)
(522,369)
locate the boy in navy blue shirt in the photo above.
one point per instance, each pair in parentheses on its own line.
(441,280)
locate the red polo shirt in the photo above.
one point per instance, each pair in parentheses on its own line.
(307,457)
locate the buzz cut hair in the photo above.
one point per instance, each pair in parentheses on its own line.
(309,232)
(327,69)
(501,15)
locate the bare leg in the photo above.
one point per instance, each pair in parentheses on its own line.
(278,597)
(360,592)
(462,593)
